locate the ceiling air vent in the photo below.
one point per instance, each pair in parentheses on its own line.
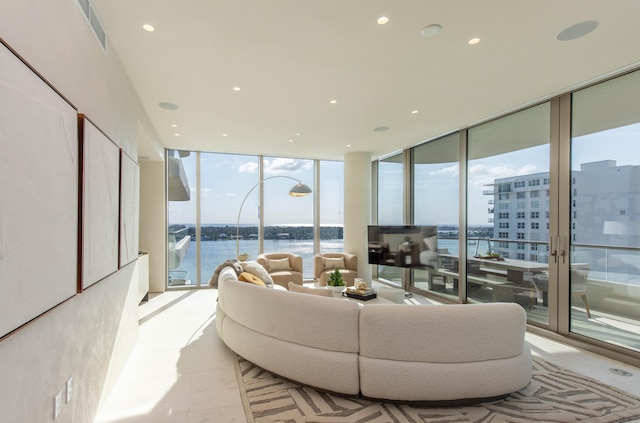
(94,22)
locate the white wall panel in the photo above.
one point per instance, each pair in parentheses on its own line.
(38,195)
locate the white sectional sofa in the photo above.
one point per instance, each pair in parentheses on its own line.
(398,352)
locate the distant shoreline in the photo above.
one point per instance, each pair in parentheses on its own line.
(223,232)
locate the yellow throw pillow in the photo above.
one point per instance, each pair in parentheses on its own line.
(279,265)
(313,291)
(256,269)
(248,277)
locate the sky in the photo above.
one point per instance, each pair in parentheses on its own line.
(439,182)
(226,179)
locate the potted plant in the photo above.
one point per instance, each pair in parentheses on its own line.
(336,281)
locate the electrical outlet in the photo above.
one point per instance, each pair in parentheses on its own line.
(69,388)
(57,405)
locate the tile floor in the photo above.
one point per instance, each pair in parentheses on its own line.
(180,371)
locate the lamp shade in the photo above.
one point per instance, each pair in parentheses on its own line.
(299,190)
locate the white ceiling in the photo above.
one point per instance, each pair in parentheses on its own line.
(291,57)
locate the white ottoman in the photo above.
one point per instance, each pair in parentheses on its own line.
(392,294)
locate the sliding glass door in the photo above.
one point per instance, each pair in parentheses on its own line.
(550,206)
(508,211)
(604,301)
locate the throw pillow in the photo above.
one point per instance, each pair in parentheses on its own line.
(279,265)
(333,263)
(293,287)
(213,281)
(256,269)
(248,277)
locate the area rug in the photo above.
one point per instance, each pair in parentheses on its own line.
(554,395)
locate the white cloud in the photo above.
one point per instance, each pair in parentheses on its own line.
(248,167)
(447,171)
(277,166)
(480,174)
(283,165)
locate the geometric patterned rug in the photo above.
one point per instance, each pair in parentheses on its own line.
(554,395)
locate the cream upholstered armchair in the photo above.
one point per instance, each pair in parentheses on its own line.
(283,267)
(326,263)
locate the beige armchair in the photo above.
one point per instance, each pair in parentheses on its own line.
(283,267)
(325,263)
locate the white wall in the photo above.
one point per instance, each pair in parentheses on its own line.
(89,336)
(153,227)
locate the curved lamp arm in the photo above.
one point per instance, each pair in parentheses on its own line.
(298,190)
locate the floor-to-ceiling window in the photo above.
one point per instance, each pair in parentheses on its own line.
(219,203)
(551,212)
(604,300)
(225,181)
(288,221)
(508,210)
(181,216)
(331,206)
(390,205)
(435,181)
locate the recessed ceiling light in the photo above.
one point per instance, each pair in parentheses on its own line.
(348,145)
(333,101)
(173,125)
(148,27)
(431,30)
(381,128)
(224,135)
(414,112)
(290,140)
(177,135)
(382,20)
(236,88)
(298,133)
(474,41)
(576,31)
(168,106)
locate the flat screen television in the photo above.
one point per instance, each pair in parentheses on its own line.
(403,246)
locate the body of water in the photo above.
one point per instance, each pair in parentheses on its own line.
(213,253)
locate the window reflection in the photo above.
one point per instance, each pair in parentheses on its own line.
(435,202)
(508,175)
(605,220)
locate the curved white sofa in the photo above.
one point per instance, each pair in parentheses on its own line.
(438,354)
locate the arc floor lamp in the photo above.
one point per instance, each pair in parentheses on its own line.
(298,190)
